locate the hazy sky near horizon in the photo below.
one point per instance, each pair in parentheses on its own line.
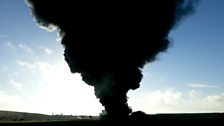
(188,78)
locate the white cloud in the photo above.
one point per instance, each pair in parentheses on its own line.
(25,48)
(173,101)
(217,100)
(25,64)
(46,50)
(12,102)
(10,45)
(22,47)
(16,85)
(39,66)
(197,85)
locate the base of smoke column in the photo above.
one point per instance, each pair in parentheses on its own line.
(137,116)
(140,118)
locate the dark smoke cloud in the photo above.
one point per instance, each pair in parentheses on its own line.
(108,43)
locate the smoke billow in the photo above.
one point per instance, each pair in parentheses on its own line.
(108,43)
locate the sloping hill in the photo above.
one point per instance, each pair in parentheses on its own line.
(20,116)
(11,115)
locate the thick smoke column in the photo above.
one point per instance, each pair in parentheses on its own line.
(108,43)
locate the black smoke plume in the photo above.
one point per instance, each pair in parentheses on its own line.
(109,42)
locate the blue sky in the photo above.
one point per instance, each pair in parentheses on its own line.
(188,78)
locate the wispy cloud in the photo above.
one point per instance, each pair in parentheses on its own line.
(25,48)
(16,85)
(174,101)
(39,66)
(46,50)
(10,45)
(28,65)
(3,36)
(197,85)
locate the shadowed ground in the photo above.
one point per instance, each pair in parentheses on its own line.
(138,118)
